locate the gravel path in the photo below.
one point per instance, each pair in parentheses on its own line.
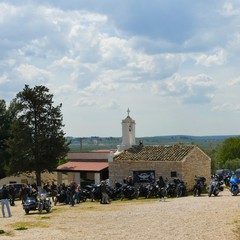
(180,218)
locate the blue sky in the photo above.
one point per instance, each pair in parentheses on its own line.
(174,64)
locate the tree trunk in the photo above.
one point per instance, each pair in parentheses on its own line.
(38,178)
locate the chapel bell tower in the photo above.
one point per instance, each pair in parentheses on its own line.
(128,131)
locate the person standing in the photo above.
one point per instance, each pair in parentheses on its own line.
(12,193)
(78,193)
(25,192)
(71,193)
(103,191)
(162,190)
(4,201)
(53,191)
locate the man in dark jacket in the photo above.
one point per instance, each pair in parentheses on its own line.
(162,190)
(12,193)
(4,201)
(70,193)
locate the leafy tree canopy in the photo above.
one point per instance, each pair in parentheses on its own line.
(37,140)
(229,152)
(6,118)
(3,136)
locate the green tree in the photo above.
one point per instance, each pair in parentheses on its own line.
(37,140)
(229,153)
(3,137)
(212,152)
(6,118)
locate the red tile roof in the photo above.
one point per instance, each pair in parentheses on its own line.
(82,166)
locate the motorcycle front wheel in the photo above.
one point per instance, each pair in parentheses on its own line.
(27,211)
(40,208)
(48,210)
(195,192)
(235,192)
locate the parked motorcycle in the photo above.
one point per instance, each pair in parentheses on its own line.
(44,202)
(199,184)
(60,197)
(181,188)
(129,192)
(234,185)
(149,190)
(31,203)
(215,187)
(38,203)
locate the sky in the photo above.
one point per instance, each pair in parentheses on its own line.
(174,64)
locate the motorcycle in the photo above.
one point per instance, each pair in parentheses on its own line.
(199,184)
(37,202)
(215,187)
(234,185)
(44,202)
(181,188)
(30,204)
(149,190)
(61,197)
(129,192)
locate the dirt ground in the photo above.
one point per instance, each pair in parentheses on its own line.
(179,218)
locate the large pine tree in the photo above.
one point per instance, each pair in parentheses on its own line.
(37,139)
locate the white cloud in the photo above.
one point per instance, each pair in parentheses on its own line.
(227,107)
(64,62)
(234,81)
(112,105)
(217,58)
(4,79)
(229,9)
(32,73)
(188,89)
(85,102)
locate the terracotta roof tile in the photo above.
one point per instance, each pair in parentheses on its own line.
(155,153)
(82,166)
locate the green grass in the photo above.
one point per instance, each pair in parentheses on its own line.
(45,217)
(26,225)
(21,228)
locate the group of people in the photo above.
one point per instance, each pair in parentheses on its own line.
(73,192)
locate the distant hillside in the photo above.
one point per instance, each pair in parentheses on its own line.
(98,143)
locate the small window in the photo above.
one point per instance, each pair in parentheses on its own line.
(173,174)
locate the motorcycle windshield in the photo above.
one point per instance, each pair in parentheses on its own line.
(42,191)
(235,179)
(42,194)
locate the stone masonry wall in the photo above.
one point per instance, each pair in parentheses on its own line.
(119,170)
(197,163)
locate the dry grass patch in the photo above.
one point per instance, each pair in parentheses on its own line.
(33,224)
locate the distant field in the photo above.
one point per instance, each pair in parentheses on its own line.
(98,143)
